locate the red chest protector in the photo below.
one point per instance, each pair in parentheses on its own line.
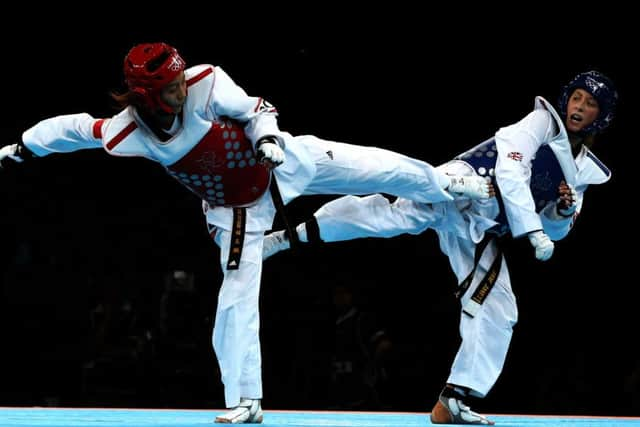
(222,168)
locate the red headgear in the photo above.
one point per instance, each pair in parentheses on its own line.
(149,67)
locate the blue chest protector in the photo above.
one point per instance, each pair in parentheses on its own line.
(546,175)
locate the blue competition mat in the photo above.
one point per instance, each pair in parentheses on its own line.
(69,417)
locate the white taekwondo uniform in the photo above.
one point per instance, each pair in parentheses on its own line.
(212,152)
(528,202)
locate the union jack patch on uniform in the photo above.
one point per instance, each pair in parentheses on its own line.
(515,156)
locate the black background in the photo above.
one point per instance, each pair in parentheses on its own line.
(426,84)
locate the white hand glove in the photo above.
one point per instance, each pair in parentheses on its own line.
(542,243)
(8,153)
(269,151)
(566,207)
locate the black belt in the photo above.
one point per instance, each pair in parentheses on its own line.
(486,284)
(240,220)
(294,241)
(237,238)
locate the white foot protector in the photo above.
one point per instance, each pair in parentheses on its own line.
(248,411)
(274,243)
(473,186)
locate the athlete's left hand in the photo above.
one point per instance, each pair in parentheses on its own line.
(270,153)
(567,202)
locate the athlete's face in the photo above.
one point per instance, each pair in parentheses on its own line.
(174,94)
(582,110)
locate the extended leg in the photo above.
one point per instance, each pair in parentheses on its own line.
(352,217)
(357,170)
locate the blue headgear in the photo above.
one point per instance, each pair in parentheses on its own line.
(602,89)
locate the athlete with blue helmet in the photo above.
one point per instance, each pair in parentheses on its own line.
(540,166)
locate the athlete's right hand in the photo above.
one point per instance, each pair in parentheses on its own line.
(542,244)
(9,156)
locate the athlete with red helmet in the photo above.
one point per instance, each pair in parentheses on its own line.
(225,146)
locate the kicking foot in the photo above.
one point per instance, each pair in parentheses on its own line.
(274,243)
(451,410)
(473,187)
(248,411)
